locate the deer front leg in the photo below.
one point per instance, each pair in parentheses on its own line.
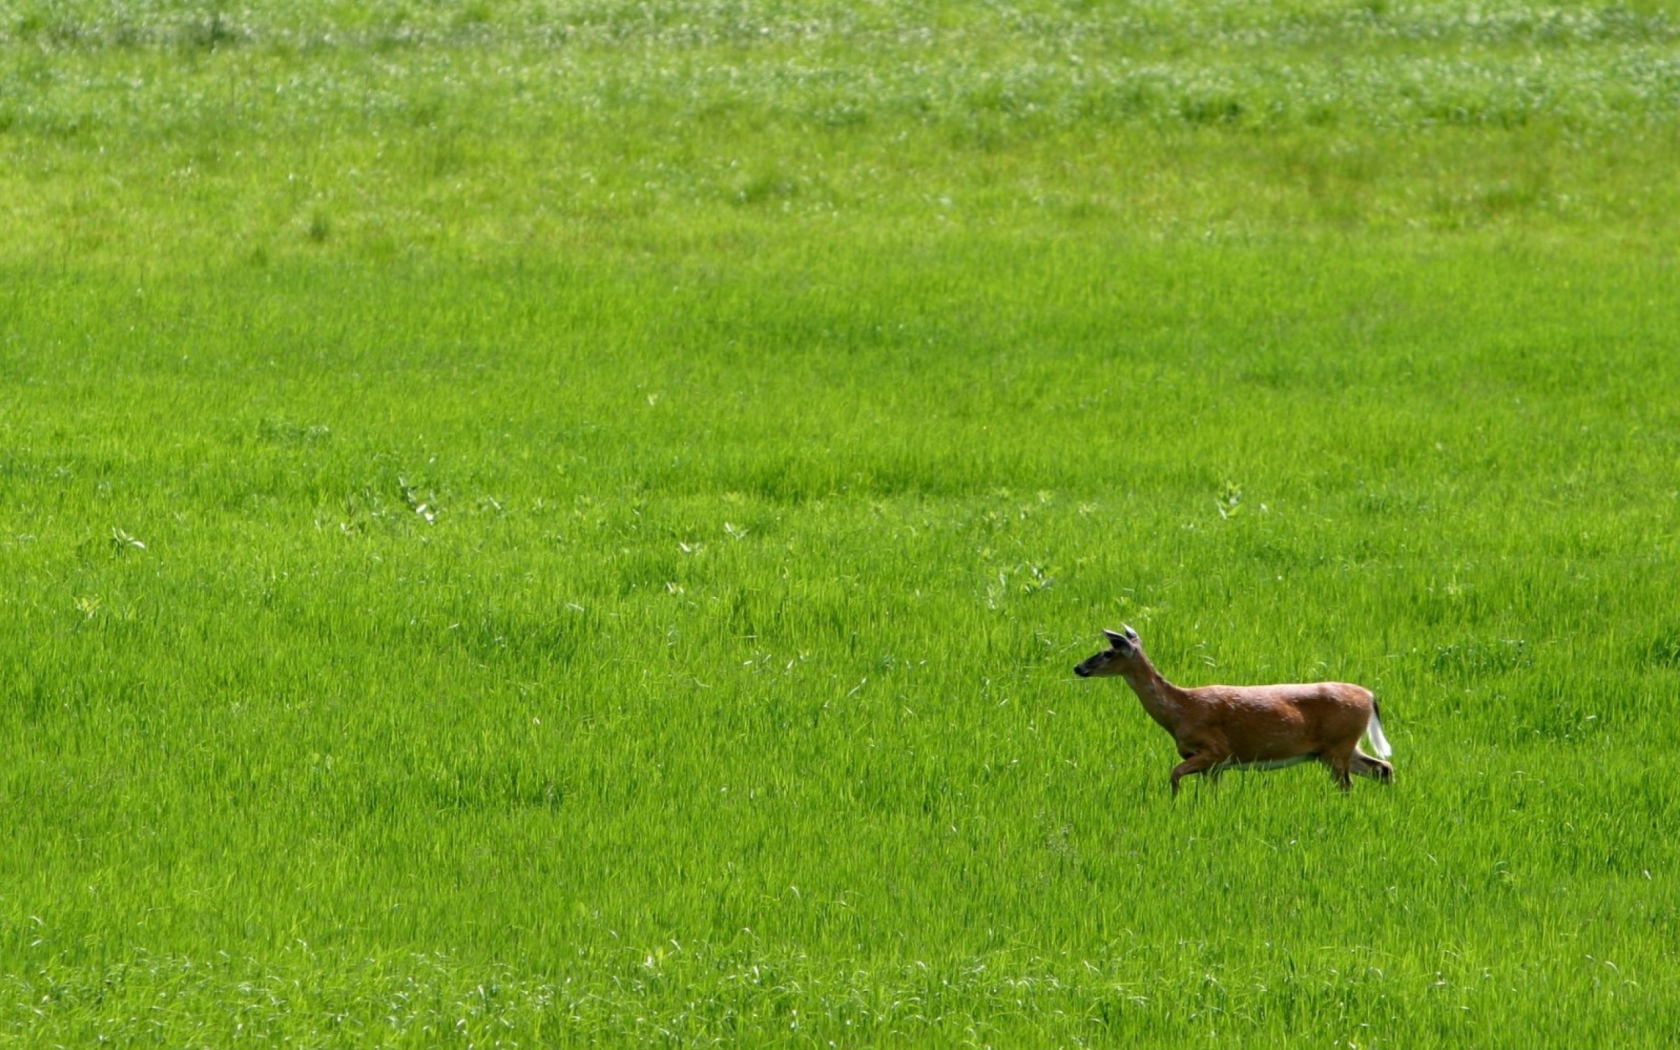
(1200,762)
(1340,761)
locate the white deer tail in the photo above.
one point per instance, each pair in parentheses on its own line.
(1373,729)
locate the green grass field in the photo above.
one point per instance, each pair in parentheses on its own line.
(542,524)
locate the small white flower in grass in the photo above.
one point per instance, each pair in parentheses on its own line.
(411,496)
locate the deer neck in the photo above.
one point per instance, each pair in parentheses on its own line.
(1163,700)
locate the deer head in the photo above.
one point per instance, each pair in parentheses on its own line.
(1124,649)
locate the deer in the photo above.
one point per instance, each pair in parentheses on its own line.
(1219,727)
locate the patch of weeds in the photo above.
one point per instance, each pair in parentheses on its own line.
(1215,109)
(425,109)
(28,24)
(209,33)
(443,154)
(285,432)
(1122,102)
(1481,659)
(364,510)
(765,188)
(1560,721)
(122,542)
(1024,579)
(424,505)
(1321,115)
(1229,501)
(839,116)
(1383,503)
(528,643)
(493,786)
(1661,650)
(1510,195)
(473,14)
(1080,209)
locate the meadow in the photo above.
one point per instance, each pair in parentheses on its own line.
(563,523)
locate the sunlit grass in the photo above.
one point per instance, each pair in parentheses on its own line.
(389,130)
(573,524)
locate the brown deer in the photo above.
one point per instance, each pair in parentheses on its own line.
(1218,727)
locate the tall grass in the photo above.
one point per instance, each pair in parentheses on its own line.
(393,130)
(451,599)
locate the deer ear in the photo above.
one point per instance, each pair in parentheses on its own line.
(1131,635)
(1115,638)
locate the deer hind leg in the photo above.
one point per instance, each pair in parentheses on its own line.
(1365,766)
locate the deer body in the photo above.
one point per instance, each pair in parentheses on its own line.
(1217,727)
